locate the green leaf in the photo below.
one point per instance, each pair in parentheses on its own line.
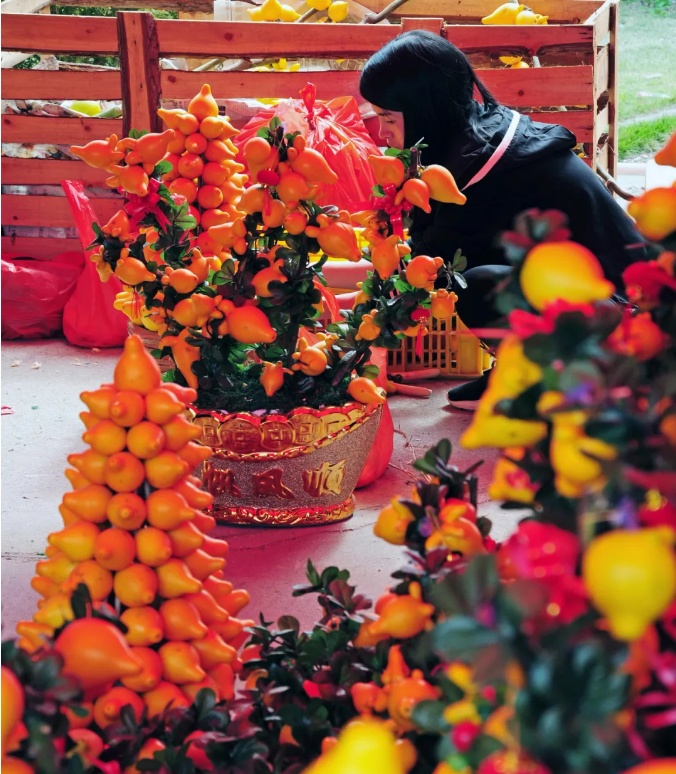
(429,717)
(461,636)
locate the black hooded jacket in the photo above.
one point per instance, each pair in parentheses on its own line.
(538,170)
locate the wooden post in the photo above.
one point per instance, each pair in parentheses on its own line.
(139,53)
(613,138)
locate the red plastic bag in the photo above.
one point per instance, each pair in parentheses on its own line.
(336,130)
(89,319)
(34,294)
(383,444)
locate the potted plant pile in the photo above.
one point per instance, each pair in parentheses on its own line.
(230,279)
(549,653)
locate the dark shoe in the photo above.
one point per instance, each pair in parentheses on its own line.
(467,396)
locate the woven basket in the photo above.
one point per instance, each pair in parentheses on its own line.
(449,346)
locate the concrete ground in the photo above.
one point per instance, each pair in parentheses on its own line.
(41,383)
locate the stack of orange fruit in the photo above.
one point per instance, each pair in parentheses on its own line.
(135,535)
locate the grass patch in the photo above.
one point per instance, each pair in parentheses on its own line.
(646,70)
(646,137)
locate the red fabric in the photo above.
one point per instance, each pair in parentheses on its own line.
(89,319)
(383,444)
(336,130)
(34,294)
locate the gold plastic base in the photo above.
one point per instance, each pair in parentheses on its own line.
(305,516)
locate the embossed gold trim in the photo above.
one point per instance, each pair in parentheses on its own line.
(247,437)
(306,516)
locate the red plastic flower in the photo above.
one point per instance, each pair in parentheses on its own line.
(525,324)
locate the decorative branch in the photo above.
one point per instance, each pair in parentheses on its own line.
(374,18)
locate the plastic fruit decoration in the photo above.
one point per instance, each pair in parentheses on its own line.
(393,522)
(442,185)
(631,577)
(147,150)
(422,271)
(513,761)
(184,355)
(135,550)
(12,701)
(250,325)
(655,212)
(338,10)
(336,236)
(388,170)
(272,377)
(667,155)
(203,105)
(387,255)
(575,457)
(310,163)
(363,747)
(504,14)
(100,154)
(404,616)
(95,652)
(512,375)
(365,390)
(442,305)
(416,192)
(566,271)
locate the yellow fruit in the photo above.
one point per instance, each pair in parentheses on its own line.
(181,663)
(106,437)
(97,579)
(153,546)
(338,11)
(167,509)
(136,369)
(95,652)
(91,464)
(12,699)
(566,271)
(144,626)
(174,579)
(115,549)
(151,670)
(181,620)
(145,440)
(76,541)
(126,510)
(165,469)
(107,707)
(655,212)
(631,577)
(504,14)
(124,472)
(127,408)
(136,585)
(56,568)
(161,696)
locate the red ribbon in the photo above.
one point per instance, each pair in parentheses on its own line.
(137,207)
(386,203)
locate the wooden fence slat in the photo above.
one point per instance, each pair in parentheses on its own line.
(536,87)
(50,211)
(540,86)
(38,247)
(601,73)
(64,131)
(199,6)
(50,172)
(244,39)
(178,84)
(241,39)
(58,85)
(38,33)
(580,122)
(557,10)
(140,71)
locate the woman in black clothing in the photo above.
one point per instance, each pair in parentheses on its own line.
(423,88)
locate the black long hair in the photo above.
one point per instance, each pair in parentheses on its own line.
(430,81)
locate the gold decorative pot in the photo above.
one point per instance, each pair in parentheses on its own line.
(295,469)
